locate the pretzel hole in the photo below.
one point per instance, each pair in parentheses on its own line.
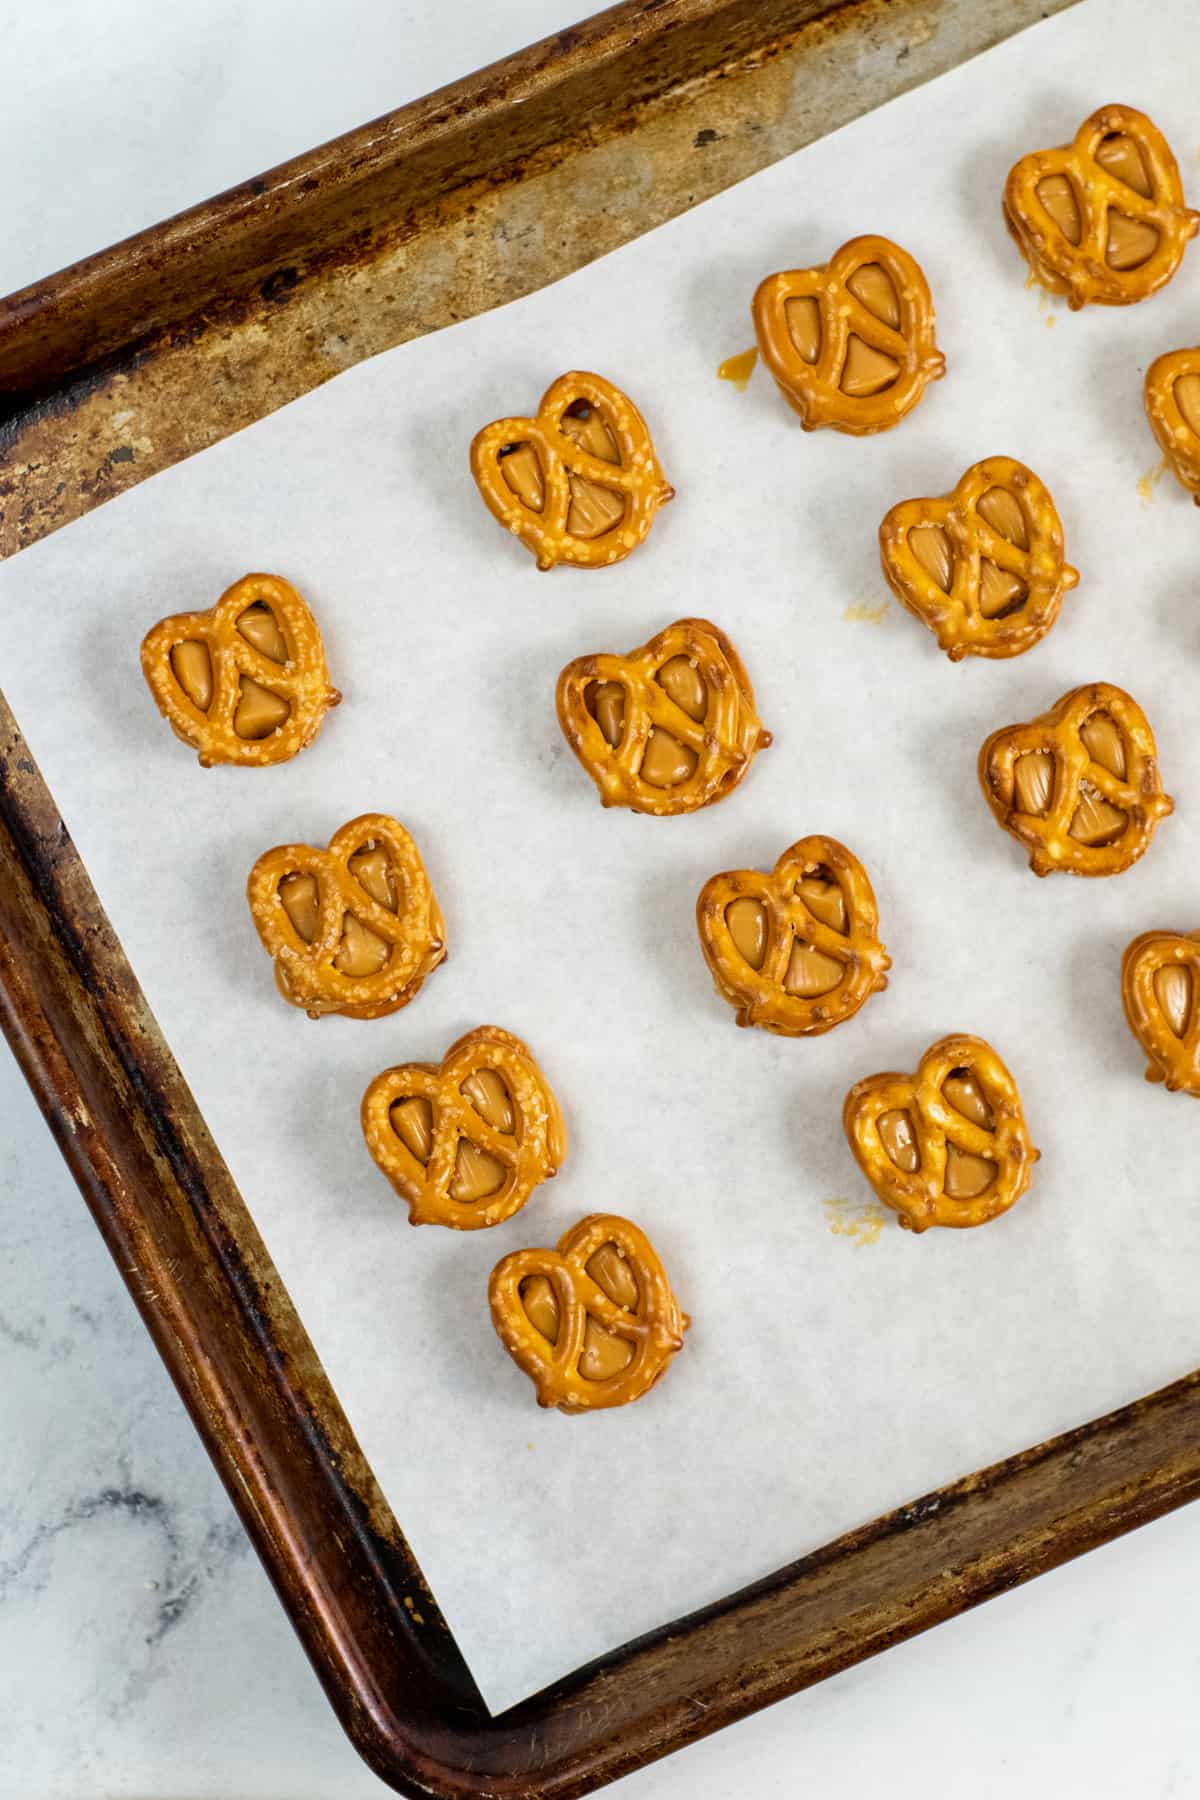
(1096,823)
(823,897)
(260,629)
(665,761)
(412,1122)
(875,288)
(961,1091)
(477,1173)
(967,1175)
(1187,399)
(747,923)
(1002,511)
(361,952)
(1131,242)
(522,474)
(810,973)
(803,318)
(683,683)
(371,867)
(260,713)
(301,902)
(1057,195)
(486,1092)
(1104,744)
(1173,991)
(605,700)
(866,371)
(933,550)
(1120,157)
(191,665)
(1033,782)
(1001,593)
(899,1140)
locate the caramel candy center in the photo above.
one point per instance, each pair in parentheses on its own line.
(1173,991)
(803,315)
(1033,782)
(362,952)
(606,703)
(824,901)
(1002,511)
(594,509)
(301,902)
(666,762)
(684,684)
(875,288)
(1104,743)
(899,1140)
(603,1353)
(1057,195)
(260,628)
(1187,399)
(966,1175)
(866,371)
(1000,591)
(522,473)
(191,665)
(412,1121)
(810,972)
(965,1095)
(477,1173)
(932,548)
(489,1096)
(371,867)
(747,922)
(259,713)
(1131,242)
(1120,156)
(1096,823)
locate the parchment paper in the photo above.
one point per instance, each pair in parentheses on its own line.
(835,1367)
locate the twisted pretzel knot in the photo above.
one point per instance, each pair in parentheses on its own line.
(1174,1055)
(919,1196)
(563,462)
(304,970)
(1174,432)
(814,389)
(303,681)
(760,994)
(531,1152)
(1076,775)
(724,741)
(1081,270)
(654,1328)
(956,618)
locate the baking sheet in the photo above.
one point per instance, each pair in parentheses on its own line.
(836,1365)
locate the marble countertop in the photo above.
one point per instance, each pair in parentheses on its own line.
(143,1651)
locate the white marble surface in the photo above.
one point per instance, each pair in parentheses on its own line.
(141,1650)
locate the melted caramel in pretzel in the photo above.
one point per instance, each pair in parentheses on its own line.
(1002,512)
(747,922)
(259,712)
(603,1354)
(412,1121)
(362,952)
(684,684)
(965,1095)
(810,973)
(488,1095)
(824,901)
(933,550)
(477,1173)
(606,703)
(1033,782)
(1187,399)
(191,665)
(593,509)
(899,1140)
(1096,823)
(803,315)
(666,762)
(259,626)
(301,902)
(522,473)
(1057,195)
(966,1174)
(1173,991)
(1119,156)
(875,288)
(866,370)
(1104,743)
(371,867)
(1131,242)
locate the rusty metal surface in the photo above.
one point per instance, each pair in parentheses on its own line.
(482,241)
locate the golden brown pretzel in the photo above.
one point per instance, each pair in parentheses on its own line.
(580,483)
(465,1141)
(1079,786)
(1160,985)
(850,345)
(1101,218)
(1172,399)
(244,682)
(796,951)
(353,929)
(982,566)
(948,1145)
(667,729)
(593,1323)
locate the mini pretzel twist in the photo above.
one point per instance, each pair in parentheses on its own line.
(935,1130)
(305,968)
(1160,991)
(955,615)
(567,469)
(653,1328)
(521,1151)
(1172,400)
(814,386)
(762,994)
(302,681)
(1075,261)
(722,742)
(1078,780)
